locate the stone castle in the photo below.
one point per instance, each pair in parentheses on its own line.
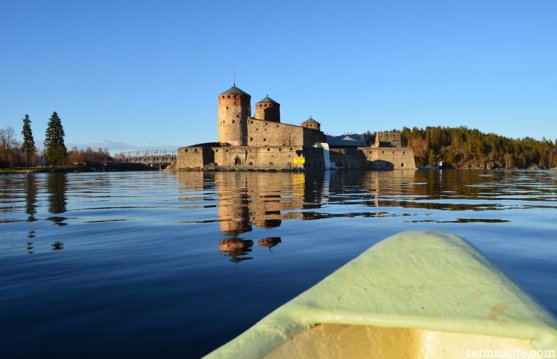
(262,142)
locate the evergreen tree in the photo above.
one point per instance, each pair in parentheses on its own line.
(28,146)
(54,148)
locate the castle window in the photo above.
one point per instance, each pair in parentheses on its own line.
(228,96)
(195,150)
(403,152)
(264,140)
(186,150)
(268,149)
(222,96)
(233,121)
(251,138)
(237,116)
(277,126)
(217,150)
(402,164)
(280,149)
(382,151)
(223,122)
(227,107)
(251,163)
(226,150)
(234,96)
(393,152)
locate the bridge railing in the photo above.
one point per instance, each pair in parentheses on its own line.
(146,156)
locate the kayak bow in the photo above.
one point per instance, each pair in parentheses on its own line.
(413,295)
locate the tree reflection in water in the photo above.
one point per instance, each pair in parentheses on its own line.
(56,185)
(31,196)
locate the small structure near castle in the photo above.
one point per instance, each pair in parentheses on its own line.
(262,142)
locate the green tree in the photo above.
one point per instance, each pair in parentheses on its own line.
(431,158)
(28,146)
(54,147)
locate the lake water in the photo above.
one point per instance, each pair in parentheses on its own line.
(112,265)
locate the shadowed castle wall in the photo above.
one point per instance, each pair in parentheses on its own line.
(373,158)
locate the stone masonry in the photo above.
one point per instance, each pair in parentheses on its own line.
(264,143)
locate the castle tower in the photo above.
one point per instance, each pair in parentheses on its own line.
(268,110)
(234,110)
(311,123)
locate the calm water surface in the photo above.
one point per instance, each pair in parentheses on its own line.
(161,265)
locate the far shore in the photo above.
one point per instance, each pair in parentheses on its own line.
(110,167)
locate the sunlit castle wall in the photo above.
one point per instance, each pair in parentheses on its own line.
(233,111)
(267,110)
(267,133)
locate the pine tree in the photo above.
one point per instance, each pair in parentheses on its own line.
(28,146)
(54,148)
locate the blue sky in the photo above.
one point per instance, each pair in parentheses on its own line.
(148,73)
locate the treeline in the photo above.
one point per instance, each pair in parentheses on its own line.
(14,153)
(88,156)
(462,147)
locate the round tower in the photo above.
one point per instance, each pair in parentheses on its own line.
(268,110)
(311,123)
(234,110)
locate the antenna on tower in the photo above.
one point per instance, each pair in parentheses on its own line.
(234,61)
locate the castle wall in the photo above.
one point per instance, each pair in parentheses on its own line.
(349,158)
(266,133)
(312,136)
(194,157)
(267,111)
(373,158)
(388,139)
(233,112)
(247,157)
(283,158)
(399,157)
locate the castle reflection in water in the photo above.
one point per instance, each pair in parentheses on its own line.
(266,199)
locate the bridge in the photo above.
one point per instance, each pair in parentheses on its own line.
(154,158)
